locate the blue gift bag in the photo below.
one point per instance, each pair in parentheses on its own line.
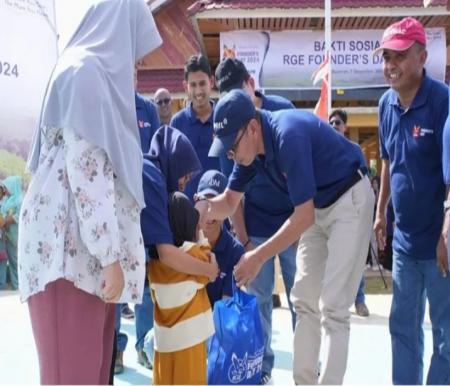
(236,349)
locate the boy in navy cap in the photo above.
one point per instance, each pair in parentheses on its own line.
(412,116)
(224,245)
(319,171)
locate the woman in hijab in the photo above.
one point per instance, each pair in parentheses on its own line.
(9,211)
(80,245)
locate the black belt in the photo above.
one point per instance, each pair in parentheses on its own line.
(357,176)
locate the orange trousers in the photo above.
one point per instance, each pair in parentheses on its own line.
(184,367)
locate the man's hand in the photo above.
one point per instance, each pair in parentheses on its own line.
(445,228)
(442,247)
(442,261)
(214,268)
(379,228)
(248,267)
(114,282)
(202,208)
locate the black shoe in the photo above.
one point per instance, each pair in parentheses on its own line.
(276,301)
(265,378)
(127,312)
(118,364)
(143,360)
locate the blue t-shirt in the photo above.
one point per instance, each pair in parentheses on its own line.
(446,149)
(147,120)
(201,136)
(266,208)
(228,251)
(305,158)
(155,225)
(412,142)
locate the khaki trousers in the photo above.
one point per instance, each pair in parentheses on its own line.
(330,261)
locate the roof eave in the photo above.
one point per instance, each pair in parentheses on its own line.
(231,13)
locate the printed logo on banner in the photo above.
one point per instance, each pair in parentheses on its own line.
(229,52)
(246,367)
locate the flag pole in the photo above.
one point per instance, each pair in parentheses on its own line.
(328,50)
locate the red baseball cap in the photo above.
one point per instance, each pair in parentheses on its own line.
(402,35)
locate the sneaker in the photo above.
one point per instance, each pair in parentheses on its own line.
(143,360)
(265,378)
(118,364)
(276,301)
(127,312)
(361,309)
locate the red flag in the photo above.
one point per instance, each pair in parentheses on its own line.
(321,109)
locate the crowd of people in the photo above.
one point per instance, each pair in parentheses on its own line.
(128,204)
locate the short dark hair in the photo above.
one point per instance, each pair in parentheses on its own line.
(231,73)
(197,63)
(340,113)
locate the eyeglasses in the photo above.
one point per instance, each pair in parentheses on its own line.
(232,152)
(336,122)
(164,101)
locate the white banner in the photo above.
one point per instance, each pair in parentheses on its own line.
(249,47)
(292,56)
(28,51)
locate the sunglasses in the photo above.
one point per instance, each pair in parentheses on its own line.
(164,101)
(336,122)
(232,152)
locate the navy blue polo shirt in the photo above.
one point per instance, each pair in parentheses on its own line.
(305,158)
(266,208)
(412,142)
(154,217)
(228,251)
(147,120)
(201,135)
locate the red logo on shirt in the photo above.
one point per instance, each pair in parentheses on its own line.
(141,124)
(416,131)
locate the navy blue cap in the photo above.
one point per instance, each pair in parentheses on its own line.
(212,182)
(231,73)
(231,113)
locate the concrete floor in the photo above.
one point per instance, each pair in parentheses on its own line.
(369,359)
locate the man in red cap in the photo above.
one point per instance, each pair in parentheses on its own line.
(412,114)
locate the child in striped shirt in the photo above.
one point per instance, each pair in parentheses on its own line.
(182,312)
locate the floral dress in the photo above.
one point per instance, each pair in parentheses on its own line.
(77,218)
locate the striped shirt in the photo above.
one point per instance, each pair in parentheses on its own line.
(182,311)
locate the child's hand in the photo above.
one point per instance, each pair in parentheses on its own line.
(214,267)
(114,282)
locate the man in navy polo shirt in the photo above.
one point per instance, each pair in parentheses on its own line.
(264,211)
(319,171)
(196,120)
(412,114)
(147,119)
(224,245)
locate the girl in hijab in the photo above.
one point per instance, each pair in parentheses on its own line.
(9,211)
(183,318)
(80,245)
(170,164)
